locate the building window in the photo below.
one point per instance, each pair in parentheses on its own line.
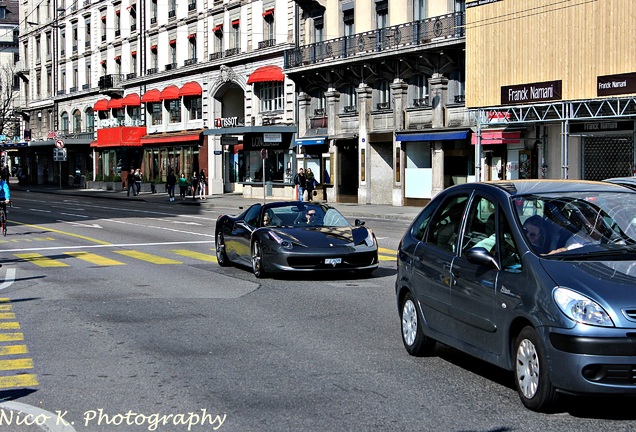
(62,43)
(49,81)
(153,11)
(192,47)
(103,29)
(37,50)
(135,114)
(90,120)
(133,19)
(218,39)
(235,39)
(382,14)
(38,85)
(74,36)
(75,77)
(420,10)
(174,110)
(120,115)
(268,26)
(173,53)
(155,113)
(383,95)
(64,125)
(418,89)
(194,105)
(117,23)
(271,96)
(350,99)
(348,21)
(48,46)
(154,59)
(319,29)
(77,121)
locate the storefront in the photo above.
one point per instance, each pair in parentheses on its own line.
(180,152)
(116,150)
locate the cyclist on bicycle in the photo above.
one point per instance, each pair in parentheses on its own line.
(5,193)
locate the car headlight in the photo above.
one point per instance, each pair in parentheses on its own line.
(278,239)
(581,308)
(369,241)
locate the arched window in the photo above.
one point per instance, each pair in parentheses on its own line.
(90,120)
(64,125)
(77,121)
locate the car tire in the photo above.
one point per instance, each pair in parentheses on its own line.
(532,378)
(221,256)
(257,259)
(414,339)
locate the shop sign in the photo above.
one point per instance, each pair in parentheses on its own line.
(603,126)
(608,85)
(272,137)
(531,93)
(229,140)
(223,122)
(259,142)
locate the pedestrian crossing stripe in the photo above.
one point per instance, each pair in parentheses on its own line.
(13,350)
(94,258)
(9,325)
(21,380)
(154,259)
(11,337)
(26,240)
(40,260)
(196,255)
(16,364)
(7,315)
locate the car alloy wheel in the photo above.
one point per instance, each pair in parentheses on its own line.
(531,373)
(221,256)
(415,342)
(257,259)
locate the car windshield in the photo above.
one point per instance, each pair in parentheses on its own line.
(314,215)
(578,223)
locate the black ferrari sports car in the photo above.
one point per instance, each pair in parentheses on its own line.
(295,236)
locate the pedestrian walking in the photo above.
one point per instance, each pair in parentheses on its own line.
(194,184)
(138,177)
(183,186)
(171,181)
(310,184)
(130,179)
(203,183)
(300,182)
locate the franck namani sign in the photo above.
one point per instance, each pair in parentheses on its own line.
(531,93)
(608,85)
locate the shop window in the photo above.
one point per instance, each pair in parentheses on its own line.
(278,166)
(154,109)
(135,115)
(174,110)
(120,116)
(194,105)
(271,96)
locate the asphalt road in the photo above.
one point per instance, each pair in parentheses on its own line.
(128,321)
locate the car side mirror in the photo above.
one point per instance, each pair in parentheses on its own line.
(359,222)
(480,256)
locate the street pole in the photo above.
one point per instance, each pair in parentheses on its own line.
(60,173)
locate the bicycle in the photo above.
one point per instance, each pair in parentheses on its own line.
(3,217)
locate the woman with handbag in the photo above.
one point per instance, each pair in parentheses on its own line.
(310,184)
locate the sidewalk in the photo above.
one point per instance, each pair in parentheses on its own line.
(231,201)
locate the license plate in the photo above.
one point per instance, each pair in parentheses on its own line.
(333,261)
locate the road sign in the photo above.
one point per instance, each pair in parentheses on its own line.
(59,155)
(264,153)
(59,143)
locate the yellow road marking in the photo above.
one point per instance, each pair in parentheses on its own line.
(5,307)
(12,325)
(22,380)
(5,300)
(94,258)
(25,363)
(196,255)
(11,337)
(154,259)
(387,251)
(65,233)
(40,260)
(13,349)
(386,258)
(7,315)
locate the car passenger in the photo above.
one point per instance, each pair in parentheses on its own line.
(535,231)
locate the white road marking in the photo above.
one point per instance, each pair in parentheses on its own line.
(76,215)
(81,224)
(9,279)
(117,245)
(41,211)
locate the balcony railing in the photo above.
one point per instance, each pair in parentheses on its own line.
(103,38)
(110,81)
(153,20)
(192,6)
(74,49)
(131,75)
(267,43)
(133,27)
(393,38)
(232,51)
(382,106)
(61,92)
(319,112)
(350,109)
(421,102)
(87,3)
(190,61)
(172,13)
(72,89)
(152,71)
(87,44)
(171,66)
(216,55)
(117,33)
(460,98)
(85,86)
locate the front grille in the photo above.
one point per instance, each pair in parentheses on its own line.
(630,313)
(363,259)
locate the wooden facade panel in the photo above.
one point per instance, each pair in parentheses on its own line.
(513,42)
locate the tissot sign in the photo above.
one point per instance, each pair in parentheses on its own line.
(608,85)
(531,93)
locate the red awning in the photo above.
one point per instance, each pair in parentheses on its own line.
(101,105)
(218,28)
(265,74)
(236,22)
(173,41)
(134,53)
(192,36)
(497,137)
(163,138)
(131,100)
(268,12)
(191,88)
(153,47)
(170,93)
(121,136)
(114,103)
(151,96)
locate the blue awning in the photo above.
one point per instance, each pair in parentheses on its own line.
(310,141)
(432,136)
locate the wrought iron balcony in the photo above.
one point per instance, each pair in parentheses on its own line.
(382,106)
(319,112)
(460,98)
(152,71)
(74,49)
(216,55)
(103,38)
(112,81)
(87,3)
(267,43)
(232,51)
(117,33)
(171,66)
(87,44)
(133,27)
(153,20)
(190,61)
(192,6)
(421,102)
(350,109)
(131,75)
(72,89)
(172,13)
(398,37)
(85,86)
